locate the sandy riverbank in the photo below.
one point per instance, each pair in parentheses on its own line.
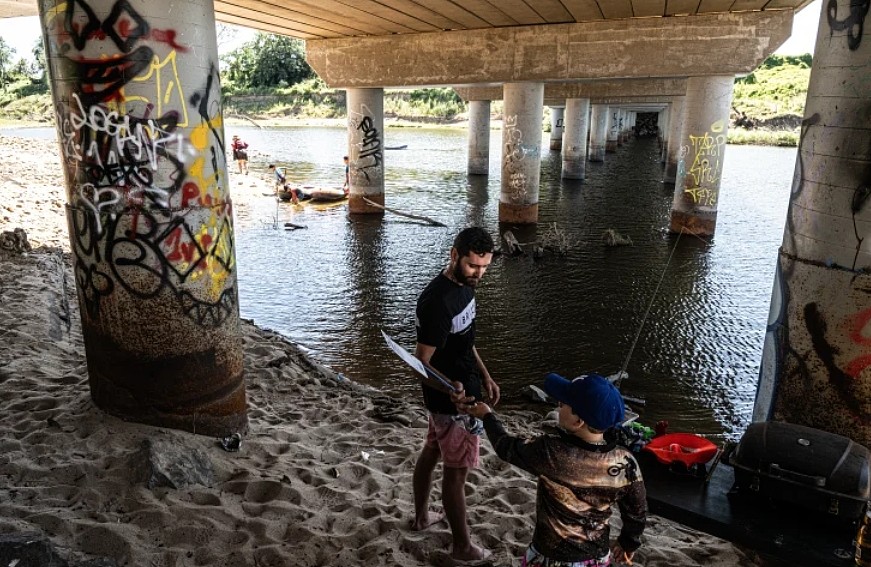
(324,474)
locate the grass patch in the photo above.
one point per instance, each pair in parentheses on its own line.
(763,137)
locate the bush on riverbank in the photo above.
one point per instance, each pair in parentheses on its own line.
(313,99)
(26,100)
(763,137)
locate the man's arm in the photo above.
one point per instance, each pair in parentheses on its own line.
(424,353)
(490,385)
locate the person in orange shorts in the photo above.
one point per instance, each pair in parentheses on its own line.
(445,321)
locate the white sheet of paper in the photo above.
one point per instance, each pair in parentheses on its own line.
(409,358)
(415,362)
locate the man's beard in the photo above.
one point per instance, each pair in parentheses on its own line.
(460,277)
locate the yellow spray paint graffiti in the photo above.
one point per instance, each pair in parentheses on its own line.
(703,176)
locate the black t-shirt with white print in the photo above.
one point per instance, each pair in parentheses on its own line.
(445,319)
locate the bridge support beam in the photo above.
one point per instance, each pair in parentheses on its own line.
(479,137)
(697,186)
(599,132)
(557,124)
(676,123)
(575,138)
(366,149)
(521,152)
(149,211)
(816,370)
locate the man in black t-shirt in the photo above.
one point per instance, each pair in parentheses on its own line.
(445,320)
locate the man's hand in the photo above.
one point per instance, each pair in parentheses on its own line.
(492,389)
(459,396)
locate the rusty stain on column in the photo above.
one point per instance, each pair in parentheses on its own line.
(137,98)
(366,149)
(702,150)
(816,367)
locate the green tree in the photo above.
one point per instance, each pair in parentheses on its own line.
(38,69)
(268,61)
(6,54)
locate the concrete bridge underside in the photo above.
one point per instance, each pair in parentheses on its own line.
(307,19)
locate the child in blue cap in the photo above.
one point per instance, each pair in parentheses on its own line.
(581,473)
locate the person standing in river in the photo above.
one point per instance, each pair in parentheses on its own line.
(445,322)
(240,154)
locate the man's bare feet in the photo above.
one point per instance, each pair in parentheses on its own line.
(432,517)
(473,555)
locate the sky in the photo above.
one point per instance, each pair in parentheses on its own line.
(21,34)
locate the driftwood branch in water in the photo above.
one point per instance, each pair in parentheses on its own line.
(514,247)
(251,120)
(400,213)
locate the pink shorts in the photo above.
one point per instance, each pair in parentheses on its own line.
(459,447)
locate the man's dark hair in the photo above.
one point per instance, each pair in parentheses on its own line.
(473,239)
(271,165)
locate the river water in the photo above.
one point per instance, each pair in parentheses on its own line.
(332,286)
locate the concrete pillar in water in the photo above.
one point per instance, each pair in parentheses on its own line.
(575,138)
(662,133)
(816,368)
(598,131)
(521,152)
(366,149)
(697,185)
(613,130)
(622,121)
(137,98)
(676,124)
(479,137)
(557,124)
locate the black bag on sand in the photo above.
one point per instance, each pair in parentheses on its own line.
(807,467)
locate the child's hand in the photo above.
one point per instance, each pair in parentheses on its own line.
(475,409)
(618,555)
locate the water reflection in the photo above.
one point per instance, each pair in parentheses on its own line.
(332,286)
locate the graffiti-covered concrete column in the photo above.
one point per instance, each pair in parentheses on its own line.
(479,137)
(675,127)
(137,98)
(575,138)
(697,184)
(521,152)
(598,132)
(366,149)
(613,130)
(557,124)
(816,367)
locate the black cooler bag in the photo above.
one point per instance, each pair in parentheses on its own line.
(804,466)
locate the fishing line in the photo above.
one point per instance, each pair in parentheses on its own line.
(622,372)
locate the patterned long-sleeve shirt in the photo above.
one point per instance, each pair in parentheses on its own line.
(577,484)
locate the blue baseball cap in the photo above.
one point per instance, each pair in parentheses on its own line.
(592,398)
